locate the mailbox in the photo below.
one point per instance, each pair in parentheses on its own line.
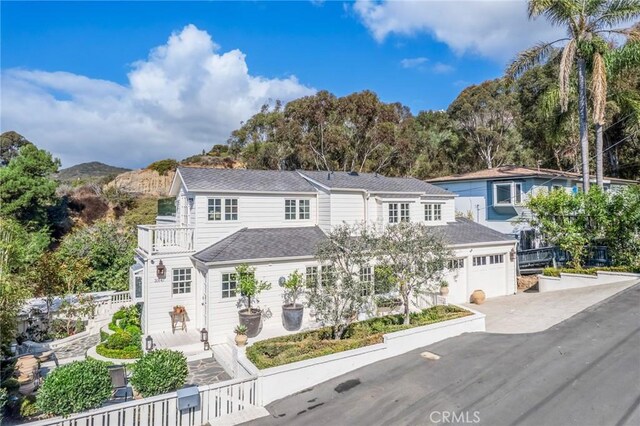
(188,398)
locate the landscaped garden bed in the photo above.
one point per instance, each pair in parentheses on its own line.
(125,342)
(555,272)
(317,343)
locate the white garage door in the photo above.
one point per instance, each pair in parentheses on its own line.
(488,273)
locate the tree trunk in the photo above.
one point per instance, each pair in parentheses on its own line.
(599,164)
(582,115)
(407,317)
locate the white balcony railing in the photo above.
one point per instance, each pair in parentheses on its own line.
(155,239)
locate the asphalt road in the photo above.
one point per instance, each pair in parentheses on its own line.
(583,371)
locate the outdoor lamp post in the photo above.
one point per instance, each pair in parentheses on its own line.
(149,344)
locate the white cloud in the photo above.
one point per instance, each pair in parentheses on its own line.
(412,62)
(185,97)
(496,29)
(440,68)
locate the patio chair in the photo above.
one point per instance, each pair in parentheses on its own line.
(118,375)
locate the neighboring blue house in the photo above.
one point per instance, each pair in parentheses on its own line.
(495,197)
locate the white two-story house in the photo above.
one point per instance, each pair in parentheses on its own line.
(273,221)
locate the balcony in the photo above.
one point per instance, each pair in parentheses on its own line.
(165,239)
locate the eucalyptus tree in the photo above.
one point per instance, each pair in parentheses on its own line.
(588,24)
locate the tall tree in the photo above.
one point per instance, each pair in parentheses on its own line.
(486,116)
(10,144)
(26,188)
(587,23)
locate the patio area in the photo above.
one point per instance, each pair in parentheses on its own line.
(187,342)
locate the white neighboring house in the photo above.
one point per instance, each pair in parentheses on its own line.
(273,221)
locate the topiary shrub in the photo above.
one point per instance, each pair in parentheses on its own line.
(75,387)
(118,340)
(159,372)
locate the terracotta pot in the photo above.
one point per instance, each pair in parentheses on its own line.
(241,339)
(444,291)
(178,310)
(478,297)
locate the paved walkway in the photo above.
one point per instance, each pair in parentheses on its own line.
(529,312)
(205,372)
(77,348)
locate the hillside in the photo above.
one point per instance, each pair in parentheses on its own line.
(88,172)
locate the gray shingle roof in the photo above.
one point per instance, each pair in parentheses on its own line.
(465,231)
(207,179)
(373,182)
(264,243)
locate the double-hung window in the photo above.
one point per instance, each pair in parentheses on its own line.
(230,209)
(214,209)
(181,281)
(304,209)
(404,212)
(311,276)
(366,277)
(229,285)
(503,193)
(290,209)
(393,213)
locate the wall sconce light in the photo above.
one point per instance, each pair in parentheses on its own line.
(512,254)
(281,281)
(149,344)
(161,271)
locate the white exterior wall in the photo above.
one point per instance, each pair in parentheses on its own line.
(324,210)
(159,299)
(347,207)
(223,313)
(254,211)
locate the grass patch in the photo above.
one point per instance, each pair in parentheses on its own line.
(316,343)
(555,272)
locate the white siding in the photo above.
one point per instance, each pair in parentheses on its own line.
(254,211)
(223,313)
(159,299)
(347,207)
(324,210)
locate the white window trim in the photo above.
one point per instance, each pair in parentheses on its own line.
(191,283)
(512,194)
(230,298)
(223,205)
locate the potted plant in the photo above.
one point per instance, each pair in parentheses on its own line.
(178,309)
(444,288)
(292,311)
(250,287)
(241,335)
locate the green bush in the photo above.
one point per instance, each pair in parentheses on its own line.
(163,166)
(159,372)
(75,387)
(103,336)
(555,272)
(119,340)
(3,402)
(11,385)
(316,343)
(28,406)
(128,352)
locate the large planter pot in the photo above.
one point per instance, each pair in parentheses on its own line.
(252,319)
(241,339)
(478,297)
(292,316)
(444,291)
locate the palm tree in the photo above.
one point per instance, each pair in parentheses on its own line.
(587,22)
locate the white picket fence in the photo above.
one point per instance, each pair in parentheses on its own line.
(216,400)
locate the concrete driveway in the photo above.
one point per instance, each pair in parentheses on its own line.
(583,371)
(529,312)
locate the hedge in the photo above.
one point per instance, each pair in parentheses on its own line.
(129,352)
(555,272)
(125,342)
(159,372)
(75,387)
(316,343)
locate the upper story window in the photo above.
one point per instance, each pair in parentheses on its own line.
(231,209)
(393,213)
(404,212)
(507,193)
(229,285)
(214,209)
(290,209)
(432,212)
(303,210)
(181,281)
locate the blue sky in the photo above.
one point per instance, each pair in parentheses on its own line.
(87,76)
